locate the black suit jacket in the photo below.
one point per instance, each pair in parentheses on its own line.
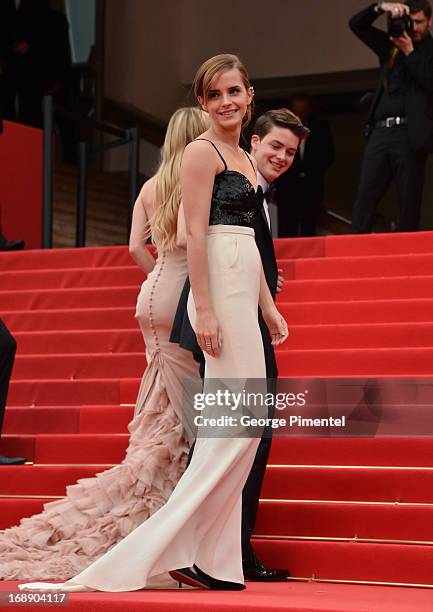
(29,23)
(418,76)
(182,332)
(319,154)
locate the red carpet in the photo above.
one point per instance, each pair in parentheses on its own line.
(291,597)
(356,510)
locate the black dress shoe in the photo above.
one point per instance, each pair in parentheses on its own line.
(193,576)
(255,571)
(11,460)
(11,245)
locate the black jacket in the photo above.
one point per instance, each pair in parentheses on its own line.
(182,332)
(319,154)
(418,77)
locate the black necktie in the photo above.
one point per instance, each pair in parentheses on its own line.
(265,199)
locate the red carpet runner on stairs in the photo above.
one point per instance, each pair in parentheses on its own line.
(352,510)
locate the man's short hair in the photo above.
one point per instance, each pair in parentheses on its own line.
(420,5)
(280,117)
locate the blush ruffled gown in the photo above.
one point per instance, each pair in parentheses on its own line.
(98,512)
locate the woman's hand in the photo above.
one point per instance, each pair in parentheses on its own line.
(277,326)
(208,332)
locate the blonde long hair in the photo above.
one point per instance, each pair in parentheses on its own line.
(184,126)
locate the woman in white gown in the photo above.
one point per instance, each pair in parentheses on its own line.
(196,535)
(98,512)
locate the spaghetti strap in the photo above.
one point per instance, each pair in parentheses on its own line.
(223,160)
(250,160)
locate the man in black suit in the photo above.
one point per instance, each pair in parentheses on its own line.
(400,120)
(7,355)
(300,191)
(275,139)
(23,43)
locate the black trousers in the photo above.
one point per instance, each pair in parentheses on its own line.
(7,355)
(298,208)
(253,485)
(388,157)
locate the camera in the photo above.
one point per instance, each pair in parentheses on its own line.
(399,25)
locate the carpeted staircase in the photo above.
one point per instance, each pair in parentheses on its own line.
(353,510)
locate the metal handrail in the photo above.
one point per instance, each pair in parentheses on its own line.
(335,215)
(86,150)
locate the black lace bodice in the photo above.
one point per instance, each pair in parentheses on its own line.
(234,199)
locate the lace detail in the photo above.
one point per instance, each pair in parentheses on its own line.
(234,200)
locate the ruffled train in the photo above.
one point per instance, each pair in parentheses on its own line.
(98,512)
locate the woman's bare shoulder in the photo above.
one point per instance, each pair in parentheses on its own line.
(201,154)
(147,195)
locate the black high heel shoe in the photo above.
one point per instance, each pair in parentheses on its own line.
(186,575)
(196,578)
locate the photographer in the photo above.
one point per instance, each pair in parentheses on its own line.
(400,120)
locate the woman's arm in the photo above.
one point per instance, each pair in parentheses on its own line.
(199,167)
(140,221)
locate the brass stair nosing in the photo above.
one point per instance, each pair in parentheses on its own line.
(343,501)
(14,496)
(335,539)
(345,467)
(362,582)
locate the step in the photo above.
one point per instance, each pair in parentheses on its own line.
(363,484)
(110,448)
(116,276)
(302,313)
(76,341)
(320,290)
(55,299)
(355,245)
(71,419)
(13,509)
(323,290)
(292,596)
(414,361)
(406,452)
(80,366)
(386,266)
(360,561)
(368,311)
(308,520)
(70,392)
(66,448)
(375,484)
(368,335)
(356,520)
(410,361)
(43,480)
(79,319)
(49,259)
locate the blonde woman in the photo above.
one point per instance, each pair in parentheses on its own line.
(98,512)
